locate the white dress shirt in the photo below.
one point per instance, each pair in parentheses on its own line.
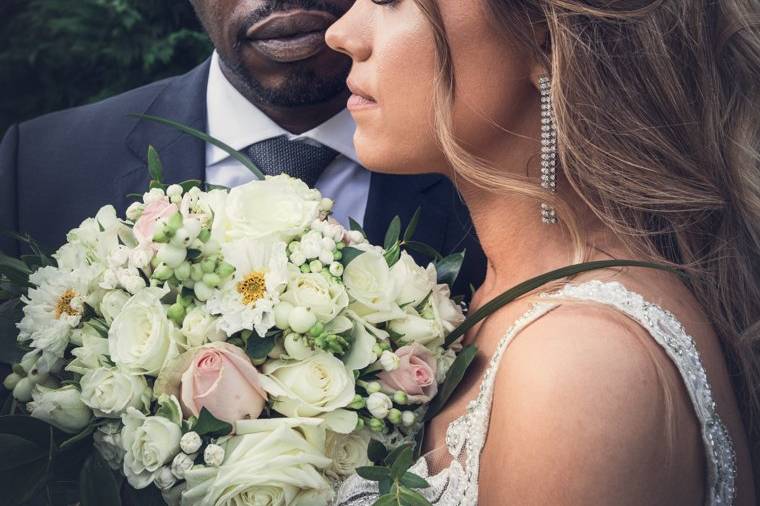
(237,122)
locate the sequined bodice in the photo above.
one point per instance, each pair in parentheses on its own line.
(457,484)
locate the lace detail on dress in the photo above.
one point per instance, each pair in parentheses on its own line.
(457,484)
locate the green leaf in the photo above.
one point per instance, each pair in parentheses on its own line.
(33,245)
(209,425)
(528,286)
(10,314)
(393,233)
(403,462)
(421,247)
(155,167)
(191,183)
(411,480)
(355,225)
(449,267)
(97,483)
(259,347)
(413,223)
(81,435)
(148,496)
(386,500)
(30,443)
(376,451)
(393,254)
(384,486)
(453,378)
(35,430)
(410,497)
(207,138)
(374,473)
(14,269)
(394,454)
(349,255)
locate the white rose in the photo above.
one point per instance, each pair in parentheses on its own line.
(150,442)
(92,352)
(316,385)
(444,310)
(326,299)
(280,207)
(415,282)
(347,451)
(63,408)
(141,338)
(110,391)
(107,440)
(378,404)
(368,280)
(199,328)
(415,329)
(255,472)
(112,303)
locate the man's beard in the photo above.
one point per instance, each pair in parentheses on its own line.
(301,87)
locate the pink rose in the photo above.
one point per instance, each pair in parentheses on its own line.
(415,375)
(145,226)
(222,379)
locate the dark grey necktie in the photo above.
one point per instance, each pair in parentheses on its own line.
(279,155)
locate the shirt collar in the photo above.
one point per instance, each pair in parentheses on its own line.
(237,122)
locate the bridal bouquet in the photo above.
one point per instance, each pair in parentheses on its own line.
(222,347)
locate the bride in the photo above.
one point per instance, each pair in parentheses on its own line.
(584,130)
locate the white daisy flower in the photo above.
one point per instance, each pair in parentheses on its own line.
(247,300)
(52,310)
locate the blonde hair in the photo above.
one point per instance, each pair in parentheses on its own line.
(657,108)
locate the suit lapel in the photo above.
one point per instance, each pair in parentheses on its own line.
(184,157)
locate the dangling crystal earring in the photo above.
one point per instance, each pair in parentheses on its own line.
(548,148)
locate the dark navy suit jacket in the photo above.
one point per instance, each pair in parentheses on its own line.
(58,169)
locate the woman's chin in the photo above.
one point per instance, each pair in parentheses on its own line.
(388,157)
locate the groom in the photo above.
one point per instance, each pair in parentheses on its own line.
(272,90)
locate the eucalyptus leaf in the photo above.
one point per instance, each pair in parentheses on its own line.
(386,500)
(155,167)
(355,225)
(528,286)
(453,378)
(259,347)
(421,247)
(411,480)
(394,454)
(374,473)
(384,486)
(97,483)
(349,255)
(411,228)
(448,268)
(209,425)
(206,138)
(393,254)
(412,497)
(393,233)
(376,451)
(402,463)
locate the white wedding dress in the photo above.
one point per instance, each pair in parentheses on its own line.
(457,483)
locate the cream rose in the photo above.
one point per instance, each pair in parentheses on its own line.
(314,386)
(62,407)
(369,282)
(199,328)
(254,470)
(413,281)
(141,338)
(280,207)
(347,452)
(110,391)
(150,442)
(325,299)
(112,303)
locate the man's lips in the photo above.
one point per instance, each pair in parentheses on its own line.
(292,35)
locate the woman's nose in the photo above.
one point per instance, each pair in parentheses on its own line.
(349,35)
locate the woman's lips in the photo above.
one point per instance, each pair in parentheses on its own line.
(357,102)
(291,36)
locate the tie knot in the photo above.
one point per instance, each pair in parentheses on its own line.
(279,155)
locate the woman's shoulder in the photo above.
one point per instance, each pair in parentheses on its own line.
(585,389)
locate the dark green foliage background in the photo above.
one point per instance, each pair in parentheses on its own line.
(56,54)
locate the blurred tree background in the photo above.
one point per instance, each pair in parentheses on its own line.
(62,53)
